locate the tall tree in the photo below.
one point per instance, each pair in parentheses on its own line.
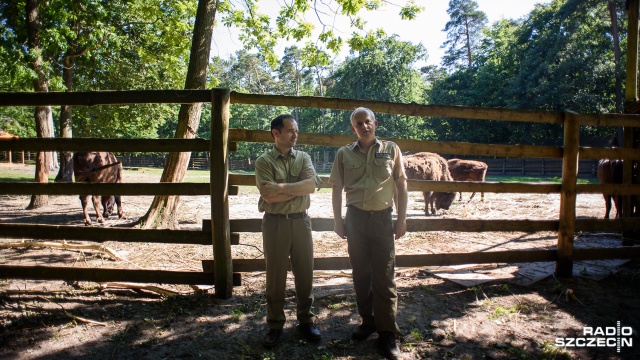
(42,113)
(464,32)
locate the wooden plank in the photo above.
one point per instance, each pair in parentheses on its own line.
(413,225)
(113,145)
(105,275)
(101,234)
(609,120)
(607,253)
(91,98)
(440,186)
(450,259)
(620,189)
(459,148)
(566,224)
(219,180)
(587,153)
(187,189)
(412,109)
(593,225)
(631,87)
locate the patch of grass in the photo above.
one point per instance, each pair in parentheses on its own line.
(501,311)
(427,289)
(551,351)
(236,314)
(416,335)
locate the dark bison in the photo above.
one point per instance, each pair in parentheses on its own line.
(468,170)
(98,167)
(430,166)
(610,172)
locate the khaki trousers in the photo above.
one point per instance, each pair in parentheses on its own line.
(371,245)
(284,241)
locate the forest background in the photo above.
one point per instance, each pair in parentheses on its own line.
(563,56)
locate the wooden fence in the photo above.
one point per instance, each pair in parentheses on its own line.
(222,232)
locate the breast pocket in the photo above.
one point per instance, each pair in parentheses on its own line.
(384,168)
(353,170)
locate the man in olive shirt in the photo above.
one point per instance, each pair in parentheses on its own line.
(370,171)
(285,178)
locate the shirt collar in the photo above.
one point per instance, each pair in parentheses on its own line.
(275,153)
(355,145)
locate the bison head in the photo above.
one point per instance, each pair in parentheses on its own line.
(107,205)
(444,200)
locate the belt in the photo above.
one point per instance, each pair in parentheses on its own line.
(389,209)
(287,216)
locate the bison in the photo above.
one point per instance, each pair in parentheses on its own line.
(468,170)
(98,167)
(430,166)
(610,172)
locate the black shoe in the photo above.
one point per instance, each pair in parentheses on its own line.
(310,331)
(272,337)
(362,332)
(388,345)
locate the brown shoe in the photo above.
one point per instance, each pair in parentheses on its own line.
(388,345)
(272,337)
(362,332)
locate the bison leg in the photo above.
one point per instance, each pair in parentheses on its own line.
(617,201)
(607,205)
(472,194)
(426,203)
(84,199)
(96,205)
(119,203)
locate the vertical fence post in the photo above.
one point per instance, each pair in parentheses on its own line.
(567,222)
(219,182)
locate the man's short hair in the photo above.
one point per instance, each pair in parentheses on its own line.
(362,110)
(278,122)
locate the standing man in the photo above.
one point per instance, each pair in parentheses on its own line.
(370,171)
(285,178)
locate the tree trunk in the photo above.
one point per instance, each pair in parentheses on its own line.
(163,210)
(613,13)
(42,113)
(65,174)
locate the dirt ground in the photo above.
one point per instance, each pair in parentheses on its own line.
(440,318)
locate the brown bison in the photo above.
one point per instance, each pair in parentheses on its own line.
(610,172)
(430,166)
(468,170)
(98,167)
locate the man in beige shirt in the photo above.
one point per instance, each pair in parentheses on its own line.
(285,178)
(370,171)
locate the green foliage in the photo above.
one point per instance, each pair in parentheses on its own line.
(384,72)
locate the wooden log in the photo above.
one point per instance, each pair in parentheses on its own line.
(113,145)
(126,189)
(104,275)
(587,153)
(91,98)
(593,225)
(440,186)
(413,225)
(609,120)
(450,259)
(101,234)
(219,181)
(460,148)
(566,224)
(411,109)
(617,189)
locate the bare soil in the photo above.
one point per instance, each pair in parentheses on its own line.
(440,318)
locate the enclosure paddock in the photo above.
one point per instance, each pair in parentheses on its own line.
(223,231)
